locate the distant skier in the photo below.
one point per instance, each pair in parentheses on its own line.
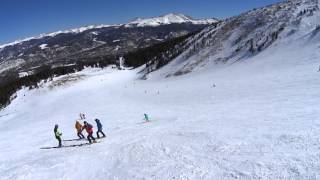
(99,125)
(78,126)
(146,118)
(57,134)
(82,116)
(89,130)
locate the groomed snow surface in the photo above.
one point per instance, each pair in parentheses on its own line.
(260,121)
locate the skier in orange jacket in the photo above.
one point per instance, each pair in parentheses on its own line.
(78,126)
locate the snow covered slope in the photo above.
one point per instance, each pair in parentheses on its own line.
(256,119)
(241,37)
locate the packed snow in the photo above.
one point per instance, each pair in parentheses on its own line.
(255,119)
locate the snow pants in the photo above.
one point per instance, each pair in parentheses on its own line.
(90,137)
(59,139)
(80,135)
(100,131)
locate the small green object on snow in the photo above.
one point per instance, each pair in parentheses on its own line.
(146,118)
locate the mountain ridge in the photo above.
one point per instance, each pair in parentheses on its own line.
(241,37)
(138,22)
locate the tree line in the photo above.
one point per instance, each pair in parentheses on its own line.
(160,53)
(154,53)
(11,83)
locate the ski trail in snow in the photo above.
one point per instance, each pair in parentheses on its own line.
(259,122)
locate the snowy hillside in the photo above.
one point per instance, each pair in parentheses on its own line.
(246,107)
(256,119)
(241,37)
(169,19)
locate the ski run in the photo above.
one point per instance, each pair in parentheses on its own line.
(255,119)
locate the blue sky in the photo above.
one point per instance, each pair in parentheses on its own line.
(24,18)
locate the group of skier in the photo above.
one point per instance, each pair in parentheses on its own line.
(88,128)
(79,128)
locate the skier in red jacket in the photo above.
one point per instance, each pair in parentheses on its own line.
(89,128)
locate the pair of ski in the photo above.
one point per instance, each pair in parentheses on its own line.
(72,145)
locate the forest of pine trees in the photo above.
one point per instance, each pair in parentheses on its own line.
(147,55)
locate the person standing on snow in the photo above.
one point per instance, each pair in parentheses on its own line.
(78,126)
(99,125)
(57,134)
(146,118)
(89,130)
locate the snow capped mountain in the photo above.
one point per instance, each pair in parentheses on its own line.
(90,43)
(75,30)
(52,34)
(169,19)
(241,37)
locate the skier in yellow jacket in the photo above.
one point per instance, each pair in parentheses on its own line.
(57,134)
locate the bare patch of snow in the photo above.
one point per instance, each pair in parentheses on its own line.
(43,46)
(95,33)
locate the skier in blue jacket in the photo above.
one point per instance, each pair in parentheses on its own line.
(146,118)
(99,125)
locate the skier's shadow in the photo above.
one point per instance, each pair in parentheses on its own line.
(68,146)
(72,140)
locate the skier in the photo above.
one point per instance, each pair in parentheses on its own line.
(82,116)
(89,130)
(78,126)
(99,125)
(57,134)
(146,118)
